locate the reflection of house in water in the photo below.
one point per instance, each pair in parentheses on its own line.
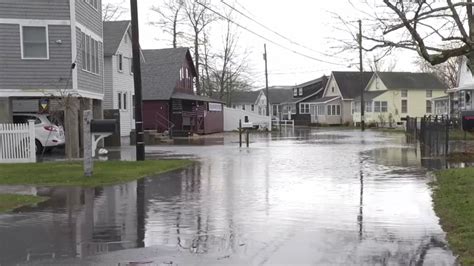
(75,222)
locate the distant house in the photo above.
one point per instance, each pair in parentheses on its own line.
(335,105)
(304,97)
(118,73)
(279,96)
(460,98)
(389,96)
(250,101)
(169,101)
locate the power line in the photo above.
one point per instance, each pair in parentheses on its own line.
(273,42)
(271,30)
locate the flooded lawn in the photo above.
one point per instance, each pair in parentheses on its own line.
(307,197)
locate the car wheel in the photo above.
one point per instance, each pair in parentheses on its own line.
(39,147)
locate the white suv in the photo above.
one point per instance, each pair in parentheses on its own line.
(48,134)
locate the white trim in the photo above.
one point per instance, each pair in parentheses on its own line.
(328,101)
(309,96)
(22,44)
(89,32)
(34,22)
(49,93)
(72,8)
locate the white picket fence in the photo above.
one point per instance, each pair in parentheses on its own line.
(17,143)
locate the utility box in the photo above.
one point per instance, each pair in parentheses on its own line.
(467,120)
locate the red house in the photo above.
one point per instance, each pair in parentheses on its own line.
(169,101)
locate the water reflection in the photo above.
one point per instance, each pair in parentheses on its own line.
(289,199)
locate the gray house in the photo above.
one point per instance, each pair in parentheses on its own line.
(118,79)
(51,53)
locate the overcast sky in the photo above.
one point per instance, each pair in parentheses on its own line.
(306,22)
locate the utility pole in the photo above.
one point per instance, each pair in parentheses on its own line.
(266,78)
(362,104)
(137,78)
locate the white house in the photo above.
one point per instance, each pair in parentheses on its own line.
(118,69)
(460,98)
(250,101)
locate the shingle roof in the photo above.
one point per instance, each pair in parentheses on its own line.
(409,80)
(249,97)
(113,34)
(280,95)
(160,72)
(351,83)
(370,95)
(325,99)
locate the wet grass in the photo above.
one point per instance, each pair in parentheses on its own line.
(71,173)
(9,202)
(458,134)
(454,204)
(461,157)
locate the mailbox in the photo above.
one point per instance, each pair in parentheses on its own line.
(467,120)
(103,126)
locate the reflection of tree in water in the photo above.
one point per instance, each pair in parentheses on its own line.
(402,256)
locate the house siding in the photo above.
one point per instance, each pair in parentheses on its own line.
(152,121)
(89,17)
(35,9)
(122,82)
(108,84)
(328,92)
(17,73)
(87,81)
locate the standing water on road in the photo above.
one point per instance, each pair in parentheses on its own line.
(316,198)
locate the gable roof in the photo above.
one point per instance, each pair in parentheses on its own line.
(370,95)
(280,94)
(245,97)
(160,73)
(351,83)
(410,81)
(113,35)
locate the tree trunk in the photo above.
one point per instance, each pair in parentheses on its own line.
(196,62)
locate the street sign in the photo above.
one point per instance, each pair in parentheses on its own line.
(467,120)
(44,105)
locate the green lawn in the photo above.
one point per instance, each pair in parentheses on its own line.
(454,204)
(458,134)
(71,173)
(10,202)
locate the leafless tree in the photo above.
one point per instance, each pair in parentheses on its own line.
(436,29)
(199,18)
(447,72)
(111,12)
(171,19)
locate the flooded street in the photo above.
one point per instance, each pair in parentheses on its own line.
(312,197)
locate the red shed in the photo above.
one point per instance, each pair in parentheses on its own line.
(169,101)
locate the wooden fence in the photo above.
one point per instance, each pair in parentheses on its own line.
(432,133)
(17,143)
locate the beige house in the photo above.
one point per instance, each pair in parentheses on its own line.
(389,96)
(335,106)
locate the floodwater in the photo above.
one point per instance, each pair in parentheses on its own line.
(304,197)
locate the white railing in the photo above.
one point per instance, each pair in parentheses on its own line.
(17,143)
(284,123)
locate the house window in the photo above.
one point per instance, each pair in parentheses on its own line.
(428,107)
(384,108)
(125,101)
(295,92)
(252,107)
(300,91)
(404,93)
(243,106)
(334,110)
(321,110)
(119,101)
(120,62)
(368,106)
(429,93)
(377,107)
(90,54)
(275,109)
(93,3)
(404,106)
(332,89)
(35,42)
(130,64)
(304,108)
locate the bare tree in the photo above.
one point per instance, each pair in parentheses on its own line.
(447,72)
(171,18)
(199,18)
(111,12)
(436,29)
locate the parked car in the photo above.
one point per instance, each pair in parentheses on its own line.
(48,134)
